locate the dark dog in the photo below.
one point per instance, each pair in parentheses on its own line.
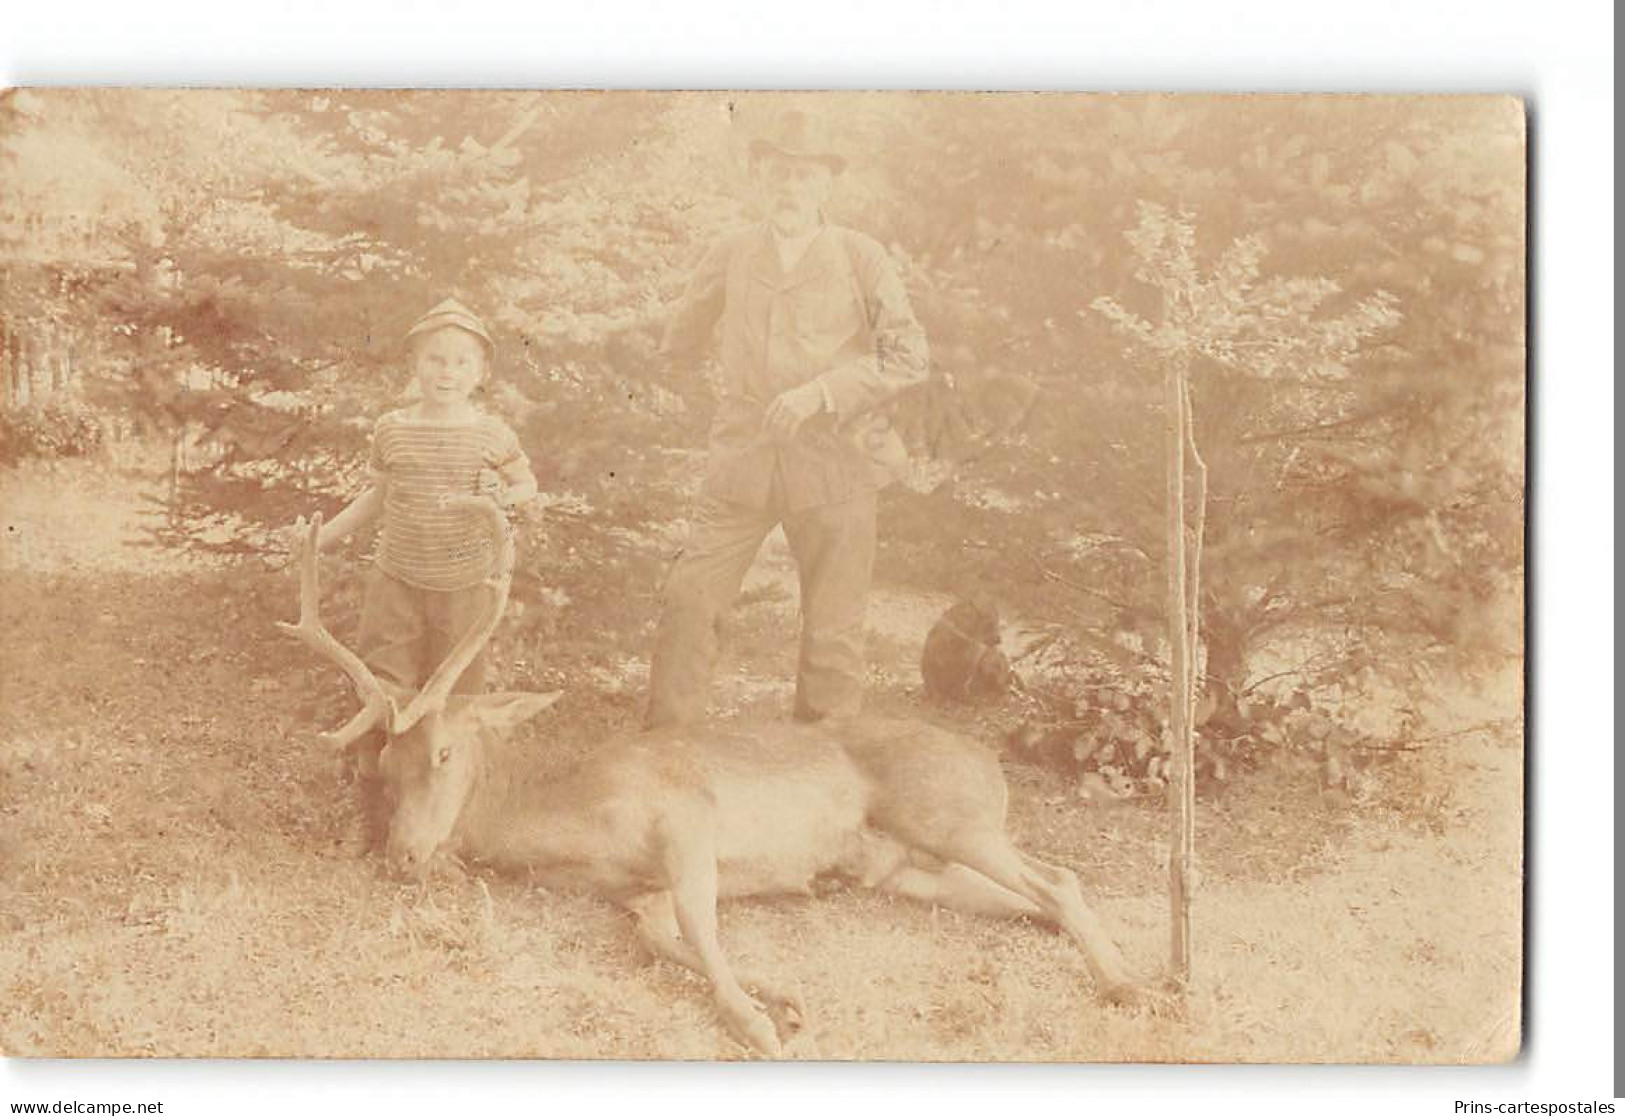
(962,660)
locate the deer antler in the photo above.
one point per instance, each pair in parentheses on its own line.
(376,701)
(437,689)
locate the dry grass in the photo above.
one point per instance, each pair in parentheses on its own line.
(178,876)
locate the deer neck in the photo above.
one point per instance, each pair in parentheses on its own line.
(553,830)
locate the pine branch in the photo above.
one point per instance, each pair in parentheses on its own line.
(1317,428)
(1050,575)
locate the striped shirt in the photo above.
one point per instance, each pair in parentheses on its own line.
(419,461)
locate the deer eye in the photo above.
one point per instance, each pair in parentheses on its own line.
(444,755)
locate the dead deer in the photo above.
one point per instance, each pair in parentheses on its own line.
(665,823)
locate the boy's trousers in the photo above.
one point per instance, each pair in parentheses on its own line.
(406,632)
(834,550)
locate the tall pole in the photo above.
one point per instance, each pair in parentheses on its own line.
(1182,787)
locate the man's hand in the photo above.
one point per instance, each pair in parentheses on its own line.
(786,413)
(488,483)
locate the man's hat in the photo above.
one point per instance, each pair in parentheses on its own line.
(452,313)
(798,136)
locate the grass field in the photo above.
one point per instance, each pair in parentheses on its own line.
(179,869)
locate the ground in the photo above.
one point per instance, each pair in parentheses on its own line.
(179,872)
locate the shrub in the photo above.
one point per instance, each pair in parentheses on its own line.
(59,428)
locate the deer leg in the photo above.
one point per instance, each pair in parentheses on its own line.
(881,861)
(691,866)
(656,916)
(958,888)
(1055,892)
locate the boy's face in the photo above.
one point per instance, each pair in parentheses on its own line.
(448,365)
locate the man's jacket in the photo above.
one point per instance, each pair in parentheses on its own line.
(839,316)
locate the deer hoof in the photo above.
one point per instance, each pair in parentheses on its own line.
(787,1013)
(753,1028)
(786,1009)
(1120,994)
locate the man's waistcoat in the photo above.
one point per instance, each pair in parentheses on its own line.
(839,316)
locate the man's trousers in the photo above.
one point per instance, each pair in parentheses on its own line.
(834,550)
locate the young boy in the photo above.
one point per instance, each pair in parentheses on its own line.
(423,593)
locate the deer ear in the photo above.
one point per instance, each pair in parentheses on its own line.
(501,712)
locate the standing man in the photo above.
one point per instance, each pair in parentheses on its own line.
(816,333)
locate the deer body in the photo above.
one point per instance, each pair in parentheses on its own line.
(666,823)
(784,804)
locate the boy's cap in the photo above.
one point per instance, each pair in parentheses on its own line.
(452,313)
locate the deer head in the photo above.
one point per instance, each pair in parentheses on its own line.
(433,739)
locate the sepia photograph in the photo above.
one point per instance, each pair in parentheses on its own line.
(712,576)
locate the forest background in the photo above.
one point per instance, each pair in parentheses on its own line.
(204,296)
(230,273)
